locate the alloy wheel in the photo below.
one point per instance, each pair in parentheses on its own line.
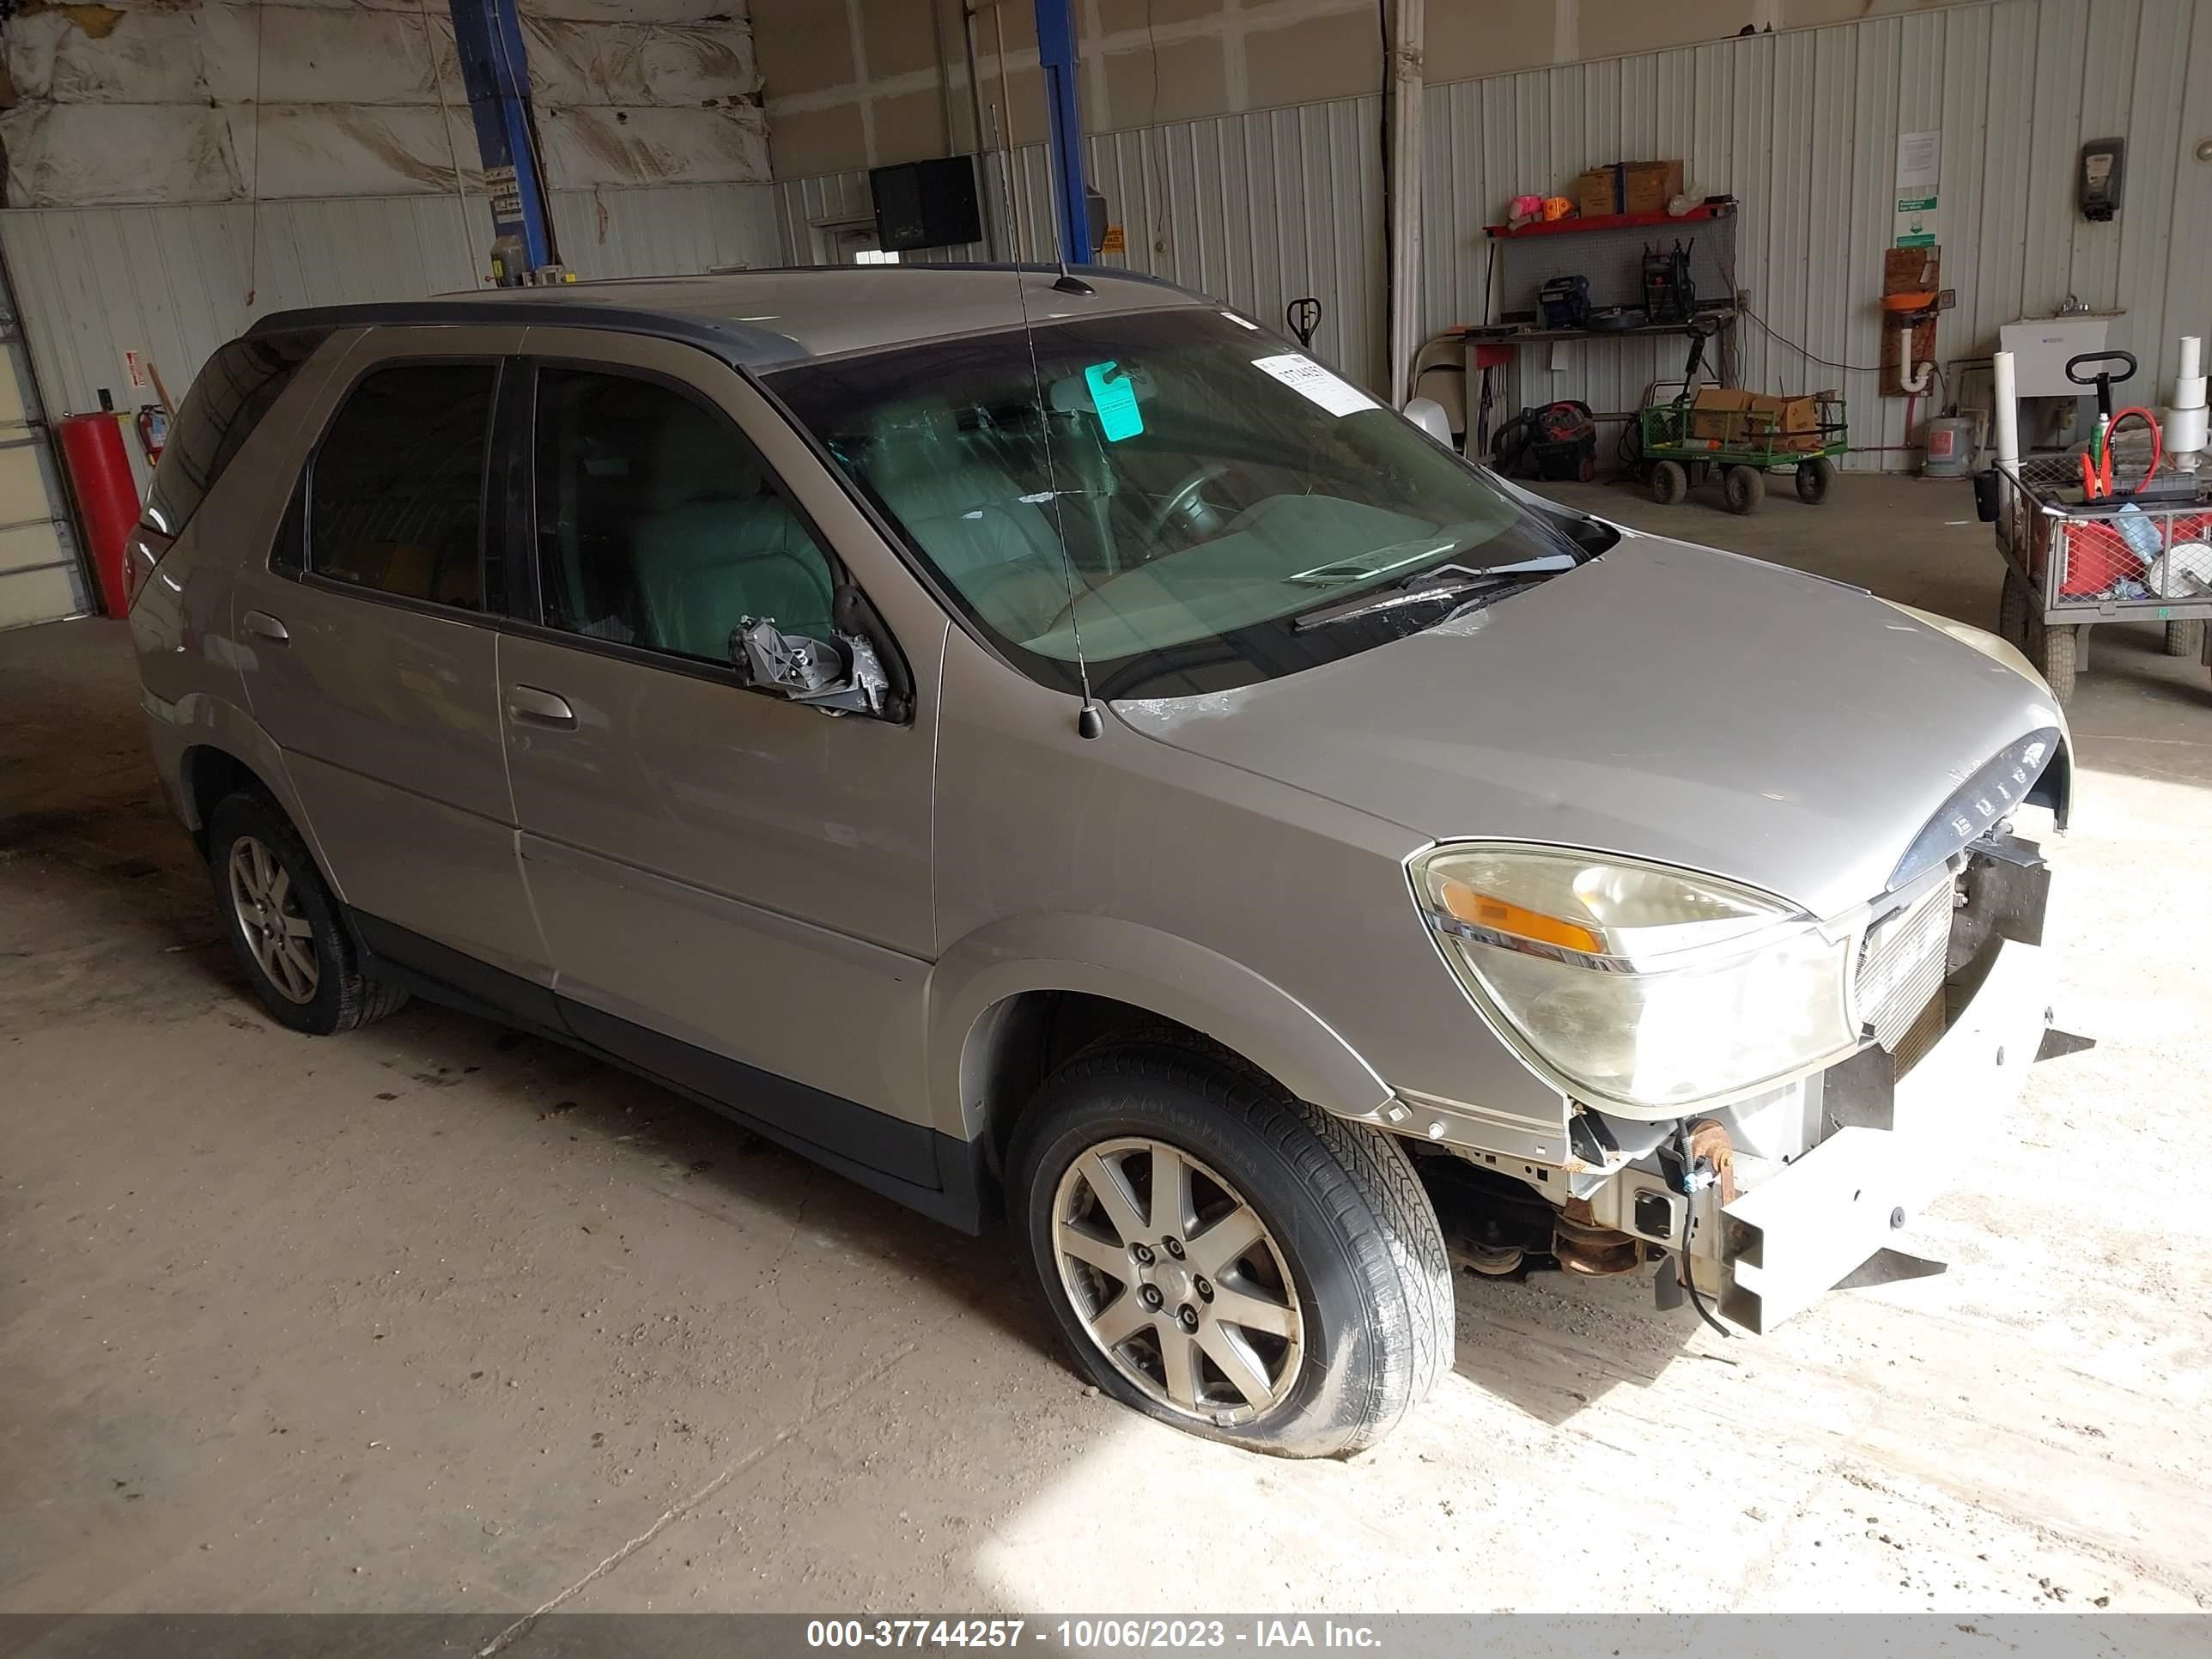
(1177,1280)
(267,904)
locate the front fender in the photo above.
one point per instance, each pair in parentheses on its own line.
(1102,956)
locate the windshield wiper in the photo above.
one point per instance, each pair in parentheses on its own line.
(1451,583)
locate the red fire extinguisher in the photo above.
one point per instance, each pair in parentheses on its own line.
(152,431)
(107,496)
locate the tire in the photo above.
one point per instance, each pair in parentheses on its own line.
(1815,478)
(1669,484)
(260,867)
(2183,639)
(1743,487)
(2014,606)
(1587,472)
(1347,1239)
(2057,657)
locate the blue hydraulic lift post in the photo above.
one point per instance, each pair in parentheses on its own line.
(497,73)
(1055,27)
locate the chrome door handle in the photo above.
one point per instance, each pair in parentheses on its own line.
(534,707)
(261,624)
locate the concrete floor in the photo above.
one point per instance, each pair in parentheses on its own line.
(434,1316)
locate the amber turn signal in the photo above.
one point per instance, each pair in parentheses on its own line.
(1480,909)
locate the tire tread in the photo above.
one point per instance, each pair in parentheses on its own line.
(1366,1186)
(360,999)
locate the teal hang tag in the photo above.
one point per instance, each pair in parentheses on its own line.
(1115,400)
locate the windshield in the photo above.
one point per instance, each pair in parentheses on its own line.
(1189,504)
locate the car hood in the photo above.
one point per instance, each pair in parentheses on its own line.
(1666,702)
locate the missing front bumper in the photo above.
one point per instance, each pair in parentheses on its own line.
(1792,1238)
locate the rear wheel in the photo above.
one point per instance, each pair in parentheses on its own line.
(1227,1259)
(2183,639)
(1743,487)
(1669,484)
(1813,479)
(283,923)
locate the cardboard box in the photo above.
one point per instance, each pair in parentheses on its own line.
(1628,187)
(1728,417)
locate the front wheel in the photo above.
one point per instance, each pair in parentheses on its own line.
(1743,487)
(2058,656)
(1815,478)
(2014,617)
(1228,1260)
(1669,483)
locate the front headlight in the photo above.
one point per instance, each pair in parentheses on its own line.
(1632,985)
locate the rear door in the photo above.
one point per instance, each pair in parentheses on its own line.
(369,655)
(735,888)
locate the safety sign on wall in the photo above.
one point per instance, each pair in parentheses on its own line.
(1919,160)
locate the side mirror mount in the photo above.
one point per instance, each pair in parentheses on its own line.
(845,676)
(1429,415)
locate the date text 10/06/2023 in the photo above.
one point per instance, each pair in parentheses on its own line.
(1089,1633)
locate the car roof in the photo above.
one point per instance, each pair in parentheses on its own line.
(772,317)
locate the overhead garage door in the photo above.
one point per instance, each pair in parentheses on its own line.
(40,575)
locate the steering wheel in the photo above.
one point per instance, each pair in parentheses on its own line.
(1184,502)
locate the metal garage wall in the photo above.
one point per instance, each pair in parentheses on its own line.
(40,577)
(174,281)
(1257,210)
(1803,126)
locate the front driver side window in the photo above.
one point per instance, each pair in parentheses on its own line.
(659,525)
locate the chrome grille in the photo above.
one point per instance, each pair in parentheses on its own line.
(1901,966)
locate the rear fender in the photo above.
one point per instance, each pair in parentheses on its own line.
(183,730)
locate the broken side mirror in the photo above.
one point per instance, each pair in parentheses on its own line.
(843,676)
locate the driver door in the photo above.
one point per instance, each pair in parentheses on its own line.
(734,888)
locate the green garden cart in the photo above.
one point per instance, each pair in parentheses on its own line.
(1678,444)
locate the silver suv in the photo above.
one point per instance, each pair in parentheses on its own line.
(1044,743)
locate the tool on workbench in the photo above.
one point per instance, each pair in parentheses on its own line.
(1669,295)
(1566,302)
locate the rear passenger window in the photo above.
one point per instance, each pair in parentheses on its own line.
(226,402)
(395,499)
(658,523)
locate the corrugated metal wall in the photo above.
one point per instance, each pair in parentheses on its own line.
(1801,126)
(1257,210)
(174,282)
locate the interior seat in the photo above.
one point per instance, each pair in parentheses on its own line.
(719,544)
(969,515)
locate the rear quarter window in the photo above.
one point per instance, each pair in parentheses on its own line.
(236,388)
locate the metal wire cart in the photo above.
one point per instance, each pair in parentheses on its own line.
(2074,559)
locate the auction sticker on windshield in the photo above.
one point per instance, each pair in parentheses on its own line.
(1316,384)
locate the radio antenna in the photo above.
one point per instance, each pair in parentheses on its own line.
(1089,722)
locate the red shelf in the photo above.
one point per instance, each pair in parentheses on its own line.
(1613,221)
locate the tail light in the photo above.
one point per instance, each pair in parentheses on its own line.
(142,552)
